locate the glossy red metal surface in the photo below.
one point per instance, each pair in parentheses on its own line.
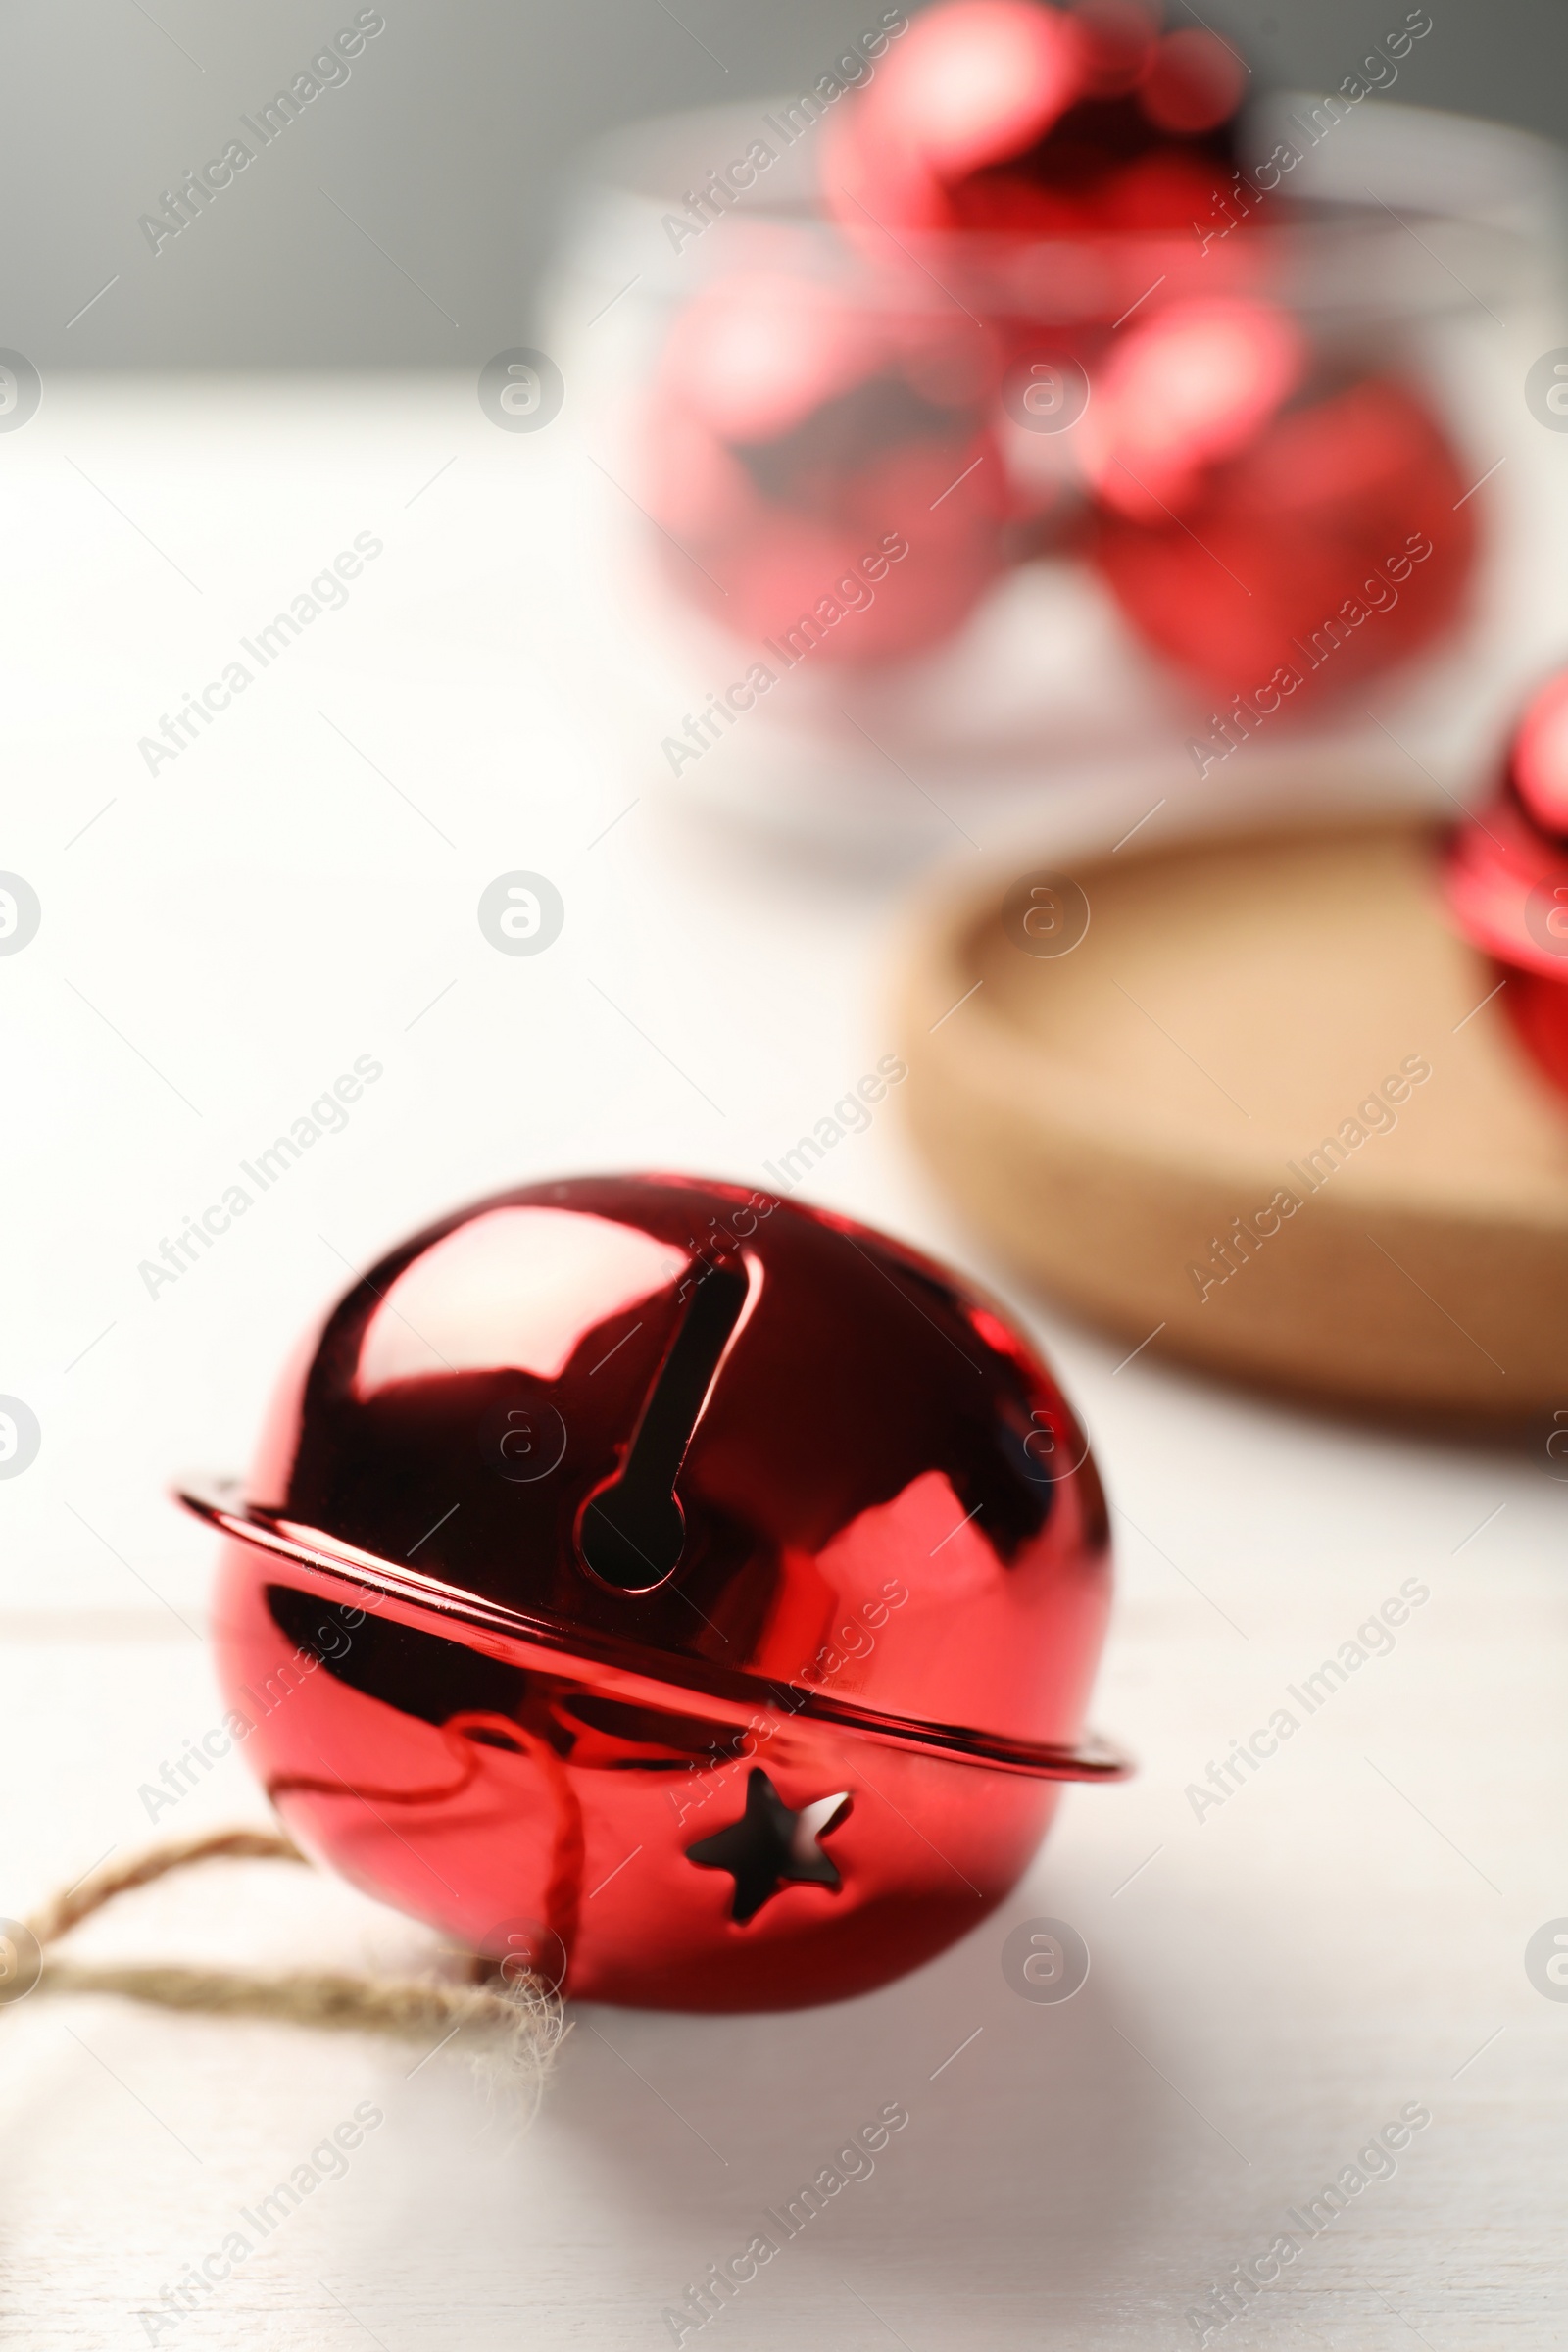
(1182,390)
(1537,1004)
(823,467)
(1013,346)
(1505,875)
(1537,759)
(687,1593)
(1017,120)
(1330,541)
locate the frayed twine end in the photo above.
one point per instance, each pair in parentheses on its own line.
(512,2025)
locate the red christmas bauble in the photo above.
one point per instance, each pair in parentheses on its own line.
(1329,540)
(1536,772)
(1183,391)
(1023,120)
(821,469)
(1506,879)
(688,1595)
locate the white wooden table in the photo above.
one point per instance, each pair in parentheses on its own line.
(1275,1978)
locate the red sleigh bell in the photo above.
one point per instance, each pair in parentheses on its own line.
(684,1595)
(1022,121)
(1507,878)
(1264,526)
(794,421)
(1277,523)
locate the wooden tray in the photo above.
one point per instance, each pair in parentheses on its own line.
(1115,1119)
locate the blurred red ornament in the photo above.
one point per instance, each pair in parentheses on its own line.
(1025,120)
(1192,82)
(688,1595)
(1179,392)
(1330,540)
(823,465)
(1506,879)
(1537,759)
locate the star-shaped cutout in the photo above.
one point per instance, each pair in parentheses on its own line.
(770,1847)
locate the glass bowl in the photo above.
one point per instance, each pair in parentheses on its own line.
(967,575)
